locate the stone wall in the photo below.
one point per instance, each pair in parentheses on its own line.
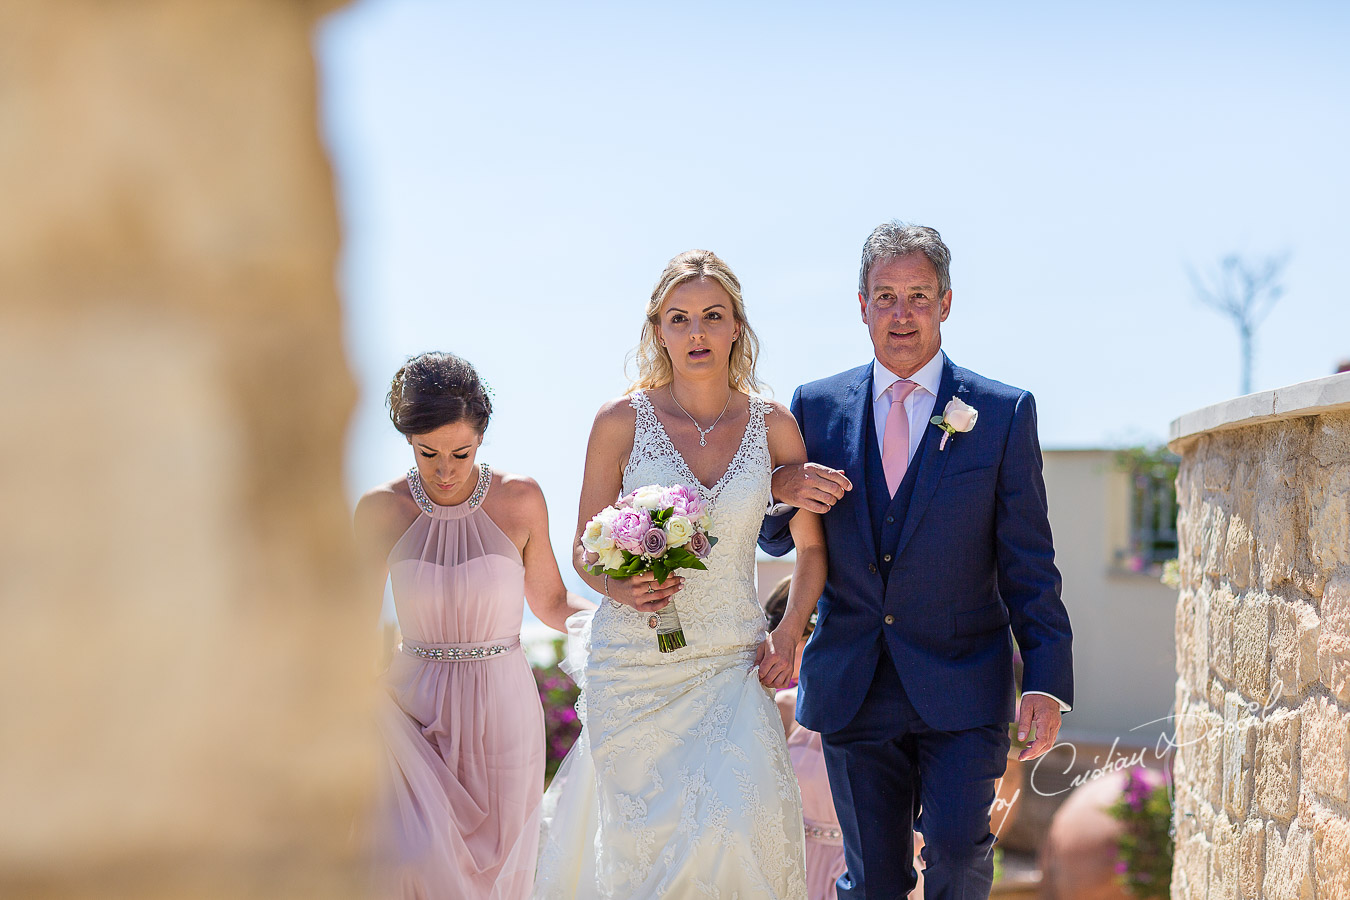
(184,662)
(1263,647)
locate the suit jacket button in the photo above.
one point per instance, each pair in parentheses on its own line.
(872,567)
(886,558)
(890,520)
(889,620)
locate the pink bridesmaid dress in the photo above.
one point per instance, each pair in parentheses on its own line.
(824,842)
(465,728)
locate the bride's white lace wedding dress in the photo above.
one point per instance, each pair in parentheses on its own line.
(680,785)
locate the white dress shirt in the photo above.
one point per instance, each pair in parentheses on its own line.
(919,404)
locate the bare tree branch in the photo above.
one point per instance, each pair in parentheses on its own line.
(1245,291)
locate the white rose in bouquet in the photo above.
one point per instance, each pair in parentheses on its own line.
(611,558)
(597,536)
(678,531)
(651,497)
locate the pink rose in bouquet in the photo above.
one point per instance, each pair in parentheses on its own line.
(628,529)
(687,503)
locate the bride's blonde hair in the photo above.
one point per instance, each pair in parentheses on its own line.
(653,361)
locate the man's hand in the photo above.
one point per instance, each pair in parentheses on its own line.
(1037,714)
(810,486)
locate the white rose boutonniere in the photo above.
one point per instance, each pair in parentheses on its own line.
(957,417)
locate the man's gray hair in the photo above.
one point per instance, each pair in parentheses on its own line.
(893,239)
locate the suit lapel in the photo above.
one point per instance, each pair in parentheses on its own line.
(855,444)
(933,460)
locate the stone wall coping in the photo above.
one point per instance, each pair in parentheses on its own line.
(1307,398)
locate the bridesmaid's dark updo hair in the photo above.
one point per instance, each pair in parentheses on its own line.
(436,389)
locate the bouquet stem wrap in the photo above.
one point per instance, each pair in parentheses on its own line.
(669,631)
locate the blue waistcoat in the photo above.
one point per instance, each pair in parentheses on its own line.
(887,512)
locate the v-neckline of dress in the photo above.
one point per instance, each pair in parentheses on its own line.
(684,463)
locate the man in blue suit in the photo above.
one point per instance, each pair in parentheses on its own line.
(940,554)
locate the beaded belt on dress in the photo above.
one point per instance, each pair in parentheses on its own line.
(824,834)
(459,652)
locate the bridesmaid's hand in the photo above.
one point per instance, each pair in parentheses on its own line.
(776,658)
(643,593)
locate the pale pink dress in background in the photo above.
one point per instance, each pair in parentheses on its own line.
(824,843)
(465,737)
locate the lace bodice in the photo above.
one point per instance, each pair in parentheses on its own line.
(653,447)
(719,608)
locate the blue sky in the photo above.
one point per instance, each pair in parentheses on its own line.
(513,178)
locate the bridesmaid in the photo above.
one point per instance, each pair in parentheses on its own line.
(463,725)
(824,841)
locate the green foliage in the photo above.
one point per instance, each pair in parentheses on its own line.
(676,558)
(679,558)
(633,563)
(1152,462)
(1144,864)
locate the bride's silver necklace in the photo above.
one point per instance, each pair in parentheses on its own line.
(702,432)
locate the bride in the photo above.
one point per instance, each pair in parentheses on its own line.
(680,784)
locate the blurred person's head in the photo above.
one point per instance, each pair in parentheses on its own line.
(1343,367)
(696,324)
(905,294)
(775,607)
(441,407)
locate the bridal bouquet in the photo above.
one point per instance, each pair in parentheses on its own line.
(654,528)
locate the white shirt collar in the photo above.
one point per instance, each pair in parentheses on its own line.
(929,377)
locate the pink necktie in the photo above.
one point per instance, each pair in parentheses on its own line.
(895,439)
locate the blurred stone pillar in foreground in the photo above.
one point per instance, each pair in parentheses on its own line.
(184,665)
(1263,646)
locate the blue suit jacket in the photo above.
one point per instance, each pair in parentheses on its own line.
(974,564)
